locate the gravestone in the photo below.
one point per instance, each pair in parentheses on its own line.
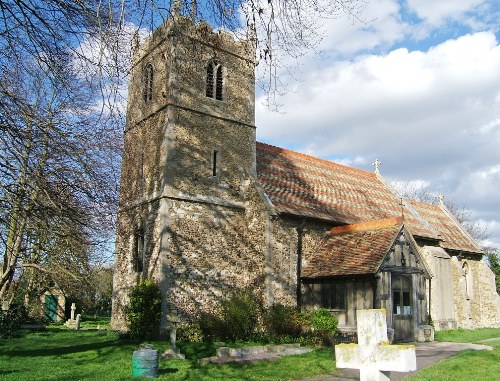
(77,321)
(73,309)
(73,323)
(373,354)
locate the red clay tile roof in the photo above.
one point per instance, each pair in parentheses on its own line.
(451,233)
(306,186)
(357,249)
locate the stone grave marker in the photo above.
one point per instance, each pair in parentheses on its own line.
(73,323)
(173,352)
(77,321)
(373,354)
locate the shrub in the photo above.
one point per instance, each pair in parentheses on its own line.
(240,315)
(284,320)
(237,319)
(190,332)
(143,313)
(325,324)
(10,319)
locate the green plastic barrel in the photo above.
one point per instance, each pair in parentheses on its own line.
(145,362)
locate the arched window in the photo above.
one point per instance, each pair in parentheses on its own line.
(467,280)
(148,83)
(214,81)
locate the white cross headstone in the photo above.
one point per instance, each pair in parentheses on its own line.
(373,354)
(73,309)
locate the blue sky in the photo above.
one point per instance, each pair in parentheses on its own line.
(417,87)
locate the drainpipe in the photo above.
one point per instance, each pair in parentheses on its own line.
(429,307)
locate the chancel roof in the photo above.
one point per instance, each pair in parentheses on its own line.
(303,185)
(357,249)
(452,235)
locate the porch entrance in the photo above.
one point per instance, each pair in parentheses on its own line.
(402,309)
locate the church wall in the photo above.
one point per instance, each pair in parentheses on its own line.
(442,306)
(142,175)
(148,218)
(476,301)
(288,234)
(191,164)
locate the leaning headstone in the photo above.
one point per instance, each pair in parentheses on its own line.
(373,354)
(77,321)
(173,352)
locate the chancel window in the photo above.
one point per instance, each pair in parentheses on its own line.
(467,279)
(401,295)
(148,83)
(214,81)
(138,257)
(333,296)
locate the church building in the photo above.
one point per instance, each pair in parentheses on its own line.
(206,210)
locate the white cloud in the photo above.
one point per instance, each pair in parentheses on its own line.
(380,25)
(430,115)
(436,11)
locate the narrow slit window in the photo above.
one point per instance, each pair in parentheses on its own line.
(148,83)
(215,158)
(139,250)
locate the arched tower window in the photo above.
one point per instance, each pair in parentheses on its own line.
(148,83)
(214,81)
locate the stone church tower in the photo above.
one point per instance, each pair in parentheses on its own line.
(188,177)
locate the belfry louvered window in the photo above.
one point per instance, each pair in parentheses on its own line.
(214,81)
(148,83)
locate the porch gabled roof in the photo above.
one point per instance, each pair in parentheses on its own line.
(356,249)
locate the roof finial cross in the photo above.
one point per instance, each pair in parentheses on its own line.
(441,199)
(377,164)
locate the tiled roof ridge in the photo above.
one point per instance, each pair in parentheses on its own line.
(368,225)
(313,158)
(413,201)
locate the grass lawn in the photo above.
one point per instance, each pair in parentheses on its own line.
(467,365)
(58,354)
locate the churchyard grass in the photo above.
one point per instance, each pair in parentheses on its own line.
(58,354)
(468,365)
(467,335)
